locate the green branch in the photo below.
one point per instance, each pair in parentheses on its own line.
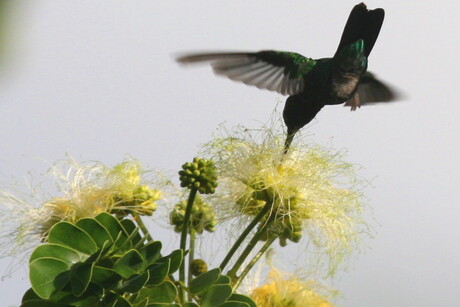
(141,225)
(183,237)
(253,262)
(255,239)
(245,233)
(191,255)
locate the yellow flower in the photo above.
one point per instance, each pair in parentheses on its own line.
(311,189)
(86,190)
(92,188)
(280,291)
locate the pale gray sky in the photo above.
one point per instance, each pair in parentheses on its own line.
(97,80)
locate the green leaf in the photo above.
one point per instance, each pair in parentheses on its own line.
(115,229)
(216,295)
(110,223)
(176,260)
(142,303)
(164,293)
(122,241)
(190,305)
(135,283)
(31,299)
(57,251)
(162,305)
(47,275)
(67,234)
(121,302)
(223,280)
(115,300)
(235,297)
(105,277)
(234,304)
(95,229)
(132,231)
(129,264)
(103,252)
(42,303)
(80,276)
(151,252)
(29,295)
(159,272)
(204,281)
(92,295)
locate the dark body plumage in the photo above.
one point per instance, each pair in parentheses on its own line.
(311,84)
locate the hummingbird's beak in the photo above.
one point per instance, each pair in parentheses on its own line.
(289,138)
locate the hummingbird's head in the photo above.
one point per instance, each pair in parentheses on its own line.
(352,59)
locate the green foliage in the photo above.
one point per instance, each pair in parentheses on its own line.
(204,281)
(216,295)
(100,261)
(234,304)
(214,289)
(238,298)
(164,293)
(103,261)
(176,259)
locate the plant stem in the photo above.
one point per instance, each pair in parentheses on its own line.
(141,225)
(253,262)
(245,233)
(191,255)
(183,237)
(249,248)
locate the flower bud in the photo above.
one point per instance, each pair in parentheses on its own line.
(202,216)
(201,175)
(198,267)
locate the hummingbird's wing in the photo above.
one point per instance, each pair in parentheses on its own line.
(371,90)
(278,71)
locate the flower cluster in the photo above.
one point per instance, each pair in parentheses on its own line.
(290,291)
(129,194)
(87,189)
(310,190)
(202,216)
(199,174)
(95,188)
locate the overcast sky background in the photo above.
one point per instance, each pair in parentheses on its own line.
(96,79)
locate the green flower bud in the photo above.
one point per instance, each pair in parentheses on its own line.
(283,242)
(202,216)
(292,230)
(295,237)
(201,175)
(198,267)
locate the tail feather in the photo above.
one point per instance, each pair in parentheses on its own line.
(362,24)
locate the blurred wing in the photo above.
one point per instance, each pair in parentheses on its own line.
(278,71)
(371,90)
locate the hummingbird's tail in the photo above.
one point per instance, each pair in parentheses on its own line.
(362,24)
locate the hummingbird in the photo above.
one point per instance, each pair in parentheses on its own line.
(311,83)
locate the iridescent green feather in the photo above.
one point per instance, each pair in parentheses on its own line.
(353,58)
(296,65)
